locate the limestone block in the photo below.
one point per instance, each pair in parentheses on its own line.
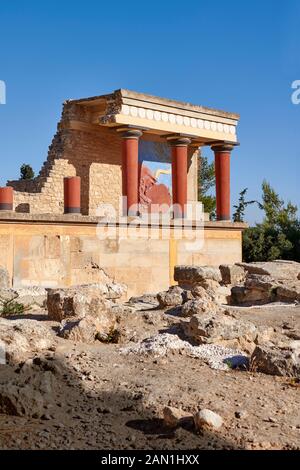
(232,274)
(218,328)
(195,274)
(23,338)
(52,247)
(171,298)
(198,306)
(279,269)
(82,301)
(278,361)
(86,330)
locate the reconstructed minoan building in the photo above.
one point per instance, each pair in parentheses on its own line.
(132,155)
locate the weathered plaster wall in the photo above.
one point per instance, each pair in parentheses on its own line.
(60,253)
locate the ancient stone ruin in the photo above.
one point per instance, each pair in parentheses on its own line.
(70,351)
(120,183)
(127,317)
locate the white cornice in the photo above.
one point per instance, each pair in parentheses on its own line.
(178,120)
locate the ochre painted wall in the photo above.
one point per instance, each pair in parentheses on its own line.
(54,254)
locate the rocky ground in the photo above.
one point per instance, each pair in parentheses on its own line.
(71,381)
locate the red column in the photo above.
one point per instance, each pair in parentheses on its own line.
(174,174)
(130,169)
(222,172)
(72,196)
(6,198)
(179,174)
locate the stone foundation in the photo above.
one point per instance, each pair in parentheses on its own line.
(58,251)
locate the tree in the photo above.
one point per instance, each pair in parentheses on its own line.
(276,213)
(240,208)
(26,172)
(206,180)
(278,236)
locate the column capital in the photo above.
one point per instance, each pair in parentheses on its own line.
(130,133)
(222,147)
(178,141)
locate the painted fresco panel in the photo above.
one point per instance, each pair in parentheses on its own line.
(155,179)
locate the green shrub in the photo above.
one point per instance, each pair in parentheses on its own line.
(26,172)
(278,235)
(12,307)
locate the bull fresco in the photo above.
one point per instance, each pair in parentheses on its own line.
(155,176)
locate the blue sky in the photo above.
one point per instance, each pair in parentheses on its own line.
(232,55)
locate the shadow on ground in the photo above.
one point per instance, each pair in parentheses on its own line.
(59,402)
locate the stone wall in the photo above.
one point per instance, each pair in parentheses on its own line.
(87,150)
(67,250)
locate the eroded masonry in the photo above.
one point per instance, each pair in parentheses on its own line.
(119,180)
